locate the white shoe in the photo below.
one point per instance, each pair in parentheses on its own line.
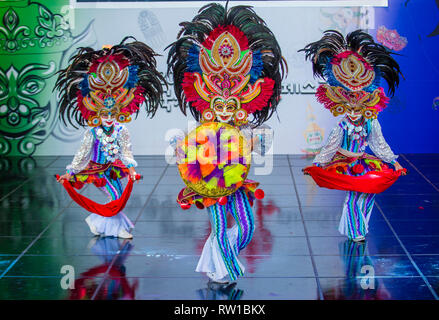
(359,239)
(92,227)
(124,234)
(213,277)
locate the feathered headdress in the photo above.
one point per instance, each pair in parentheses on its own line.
(116,79)
(227,65)
(353,67)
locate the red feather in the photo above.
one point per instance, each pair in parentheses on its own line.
(261,101)
(234,31)
(191,94)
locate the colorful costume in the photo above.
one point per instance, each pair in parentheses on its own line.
(353,68)
(226,66)
(112,82)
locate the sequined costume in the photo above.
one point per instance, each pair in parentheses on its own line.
(353,68)
(344,152)
(102,89)
(103,159)
(227,66)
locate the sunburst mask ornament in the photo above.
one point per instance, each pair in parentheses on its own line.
(110,91)
(353,68)
(340,101)
(223,77)
(113,81)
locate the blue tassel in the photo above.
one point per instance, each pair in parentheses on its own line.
(85,89)
(132,77)
(192,64)
(334,82)
(330,76)
(376,82)
(257,67)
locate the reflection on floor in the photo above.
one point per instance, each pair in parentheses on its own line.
(296,252)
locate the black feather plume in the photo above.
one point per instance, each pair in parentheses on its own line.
(259,36)
(333,43)
(138,53)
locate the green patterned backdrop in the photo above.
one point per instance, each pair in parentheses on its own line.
(35,38)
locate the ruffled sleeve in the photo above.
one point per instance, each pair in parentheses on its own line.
(126,154)
(378,144)
(330,148)
(82,157)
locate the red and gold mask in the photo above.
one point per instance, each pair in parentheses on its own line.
(223,78)
(107,89)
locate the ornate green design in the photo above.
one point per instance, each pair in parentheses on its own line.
(52,28)
(34,41)
(13,35)
(21,115)
(46,30)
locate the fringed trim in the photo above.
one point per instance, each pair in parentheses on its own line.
(260,101)
(191,94)
(86,114)
(139,98)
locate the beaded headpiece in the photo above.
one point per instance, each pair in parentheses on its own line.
(115,80)
(353,68)
(227,65)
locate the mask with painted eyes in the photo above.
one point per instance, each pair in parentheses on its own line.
(224,109)
(354,111)
(353,67)
(227,81)
(354,103)
(107,119)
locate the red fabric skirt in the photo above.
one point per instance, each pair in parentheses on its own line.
(94,173)
(366,174)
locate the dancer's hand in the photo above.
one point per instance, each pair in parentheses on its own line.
(64,177)
(399,167)
(133,174)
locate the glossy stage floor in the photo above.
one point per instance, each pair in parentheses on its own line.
(296,251)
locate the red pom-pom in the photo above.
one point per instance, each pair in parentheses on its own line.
(222,201)
(100,182)
(185,206)
(199,205)
(357,169)
(78,184)
(259,194)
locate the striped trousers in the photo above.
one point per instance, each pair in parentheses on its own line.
(239,206)
(111,226)
(357,209)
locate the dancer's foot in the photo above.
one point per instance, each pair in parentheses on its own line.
(212,276)
(359,239)
(92,227)
(124,234)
